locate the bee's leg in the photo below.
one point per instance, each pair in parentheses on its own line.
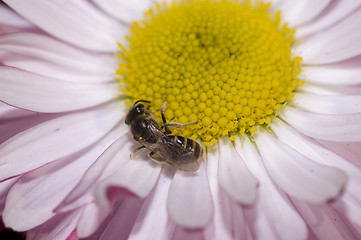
(145,101)
(165,126)
(135,151)
(155,156)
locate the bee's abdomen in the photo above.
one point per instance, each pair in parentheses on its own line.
(188,144)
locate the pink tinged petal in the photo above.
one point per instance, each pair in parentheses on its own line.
(349,203)
(294,12)
(190,200)
(126,11)
(33,198)
(234,175)
(296,174)
(8,112)
(334,75)
(41,94)
(328,104)
(325,222)
(4,189)
(60,227)
(120,223)
(341,128)
(75,22)
(273,216)
(136,178)
(52,58)
(334,12)
(110,161)
(336,44)
(56,138)
(153,217)
(320,89)
(228,221)
(9,17)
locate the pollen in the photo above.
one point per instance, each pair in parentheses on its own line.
(226,66)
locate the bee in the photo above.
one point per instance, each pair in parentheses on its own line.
(178,151)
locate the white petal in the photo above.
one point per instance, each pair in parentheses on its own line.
(342,128)
(37,93)
(328,104)
(4,189)
(294,11)
(336,11)
(234,176)
(74,22)
(324,89)
(228,221)
(110,161)
(56,138)
(7,111)
(335,75)
(9,17)
(50,57)
(336,44)
(126,11)
(350,201)
(296,174)
(273,216)
(32,199)
(60,227)
(153,208)
(136,178)
(189,199)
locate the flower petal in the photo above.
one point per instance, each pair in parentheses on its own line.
(341,128)
(336,11)
(4,189)
(59,227)
(126,11)
(56,138)
(273,216)
(9,17)
(8,112)
(136,178)
(234,176)
(154,207)
(328,104)
(189,199)
(50,57)
(296,174)
(32,199)
(73,22)
(349,203)
(111,160)
(334,75)
(37,93)
(336,44)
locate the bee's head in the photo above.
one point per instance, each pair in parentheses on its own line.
(136,110)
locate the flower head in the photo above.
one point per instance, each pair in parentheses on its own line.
(270,92)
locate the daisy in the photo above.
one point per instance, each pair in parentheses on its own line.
(272,89)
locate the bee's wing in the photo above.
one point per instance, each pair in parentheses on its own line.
(186,166)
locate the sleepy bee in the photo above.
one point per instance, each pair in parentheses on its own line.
(178,151)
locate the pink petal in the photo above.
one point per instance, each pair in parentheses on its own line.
(296,174)
(9,17)
(8,112)
(328,104)
(335,75)
(294,11)
(126,11)
(59,227)
(109,162)
(335,12)
(52,58)
(37,93)
(67,21)
(32,199)
(228,221)
(154,207)
(234,176)
(342,128)
(349,202)
(4,189)
(136,178)
(190,200)
(336,44)
(273,216)
(56,138)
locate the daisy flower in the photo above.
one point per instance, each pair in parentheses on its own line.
(272,90)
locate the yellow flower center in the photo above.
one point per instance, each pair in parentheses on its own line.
(223,64)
